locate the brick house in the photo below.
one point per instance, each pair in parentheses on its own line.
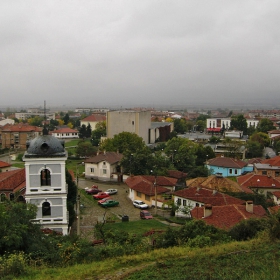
(15,136)
(11,183)
(270,167)
(227,216)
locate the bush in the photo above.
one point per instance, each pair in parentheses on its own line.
(13,265)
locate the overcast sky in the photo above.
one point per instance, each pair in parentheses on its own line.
(139,53)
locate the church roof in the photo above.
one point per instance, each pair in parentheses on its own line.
(45,146)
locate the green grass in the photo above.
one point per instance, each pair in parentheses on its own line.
(71,143)
(254,260)
(137,227)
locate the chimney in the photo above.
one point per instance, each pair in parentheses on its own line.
(207,210)
(250,206)
(214,192)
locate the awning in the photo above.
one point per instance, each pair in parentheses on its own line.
(215,129)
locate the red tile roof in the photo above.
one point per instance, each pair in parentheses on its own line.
(226,216)
(177,174)
(12,181)
(257,181)
(206,196)
(145,184)
(65,130)
(20,127)
(94,118)
(275,161)
(227,162)
(276,193)
(110,157)
(4,164)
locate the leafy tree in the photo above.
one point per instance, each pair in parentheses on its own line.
(60,122)
(251,130)
(88,131)
(261,138)
(214,139)
(276,145)
(239,123)
(265,125)
(71,197)
(180,126)
(66,119)
(202,154)
(99,131)
(254,149)
(202,118)
(198,171)
(17,232)
(201,125)
(124,141)
(181,151)
(36,121)
(83,131)
(85,149)
(53,124)
(232,147)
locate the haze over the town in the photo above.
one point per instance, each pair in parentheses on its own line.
(140,53)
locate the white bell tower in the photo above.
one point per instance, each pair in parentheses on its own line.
(46,187)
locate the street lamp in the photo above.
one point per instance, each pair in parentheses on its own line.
(155,188)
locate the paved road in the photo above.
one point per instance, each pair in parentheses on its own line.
(92,212)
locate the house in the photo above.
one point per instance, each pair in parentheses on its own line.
(198,197)
(263,184)
(46,187)
(65,133)
(215,182)
(93,120)
(104,166)
(151,188)
(276,197)
(5,166)
(225,166)
(270,167)
(273,134)
(12,183)
(15,136)
(180,176)
(227,216)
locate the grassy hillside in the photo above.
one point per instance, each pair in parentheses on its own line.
(255,259)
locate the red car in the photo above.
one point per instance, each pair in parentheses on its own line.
(93,191)
(104,199)
(100,195)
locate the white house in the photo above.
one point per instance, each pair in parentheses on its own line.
(65,133)
(104,166)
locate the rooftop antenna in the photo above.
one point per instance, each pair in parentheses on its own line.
(45,130)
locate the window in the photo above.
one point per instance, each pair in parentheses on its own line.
(46,209)
(45,177)
(184,202)
(104,171)
(147,197)
(264,172)
(230,171)
(132,122)
(3,197)
(92,170)
(277,173)
(138,194)
(12,196)
(235,171)
(104,163)
(179,201)
(197,205)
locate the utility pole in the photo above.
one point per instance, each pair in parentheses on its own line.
(78,203)
(155,188)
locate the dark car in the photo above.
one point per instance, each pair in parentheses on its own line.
(146,215)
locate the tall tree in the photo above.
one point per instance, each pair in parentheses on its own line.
(85,149)
(265,125)
(83,131)
(239,123)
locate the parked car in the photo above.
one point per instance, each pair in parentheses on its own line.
(111,191)
(100,195)
(140,204)
(93,190)
(104,199)
(146,215)
(109,203)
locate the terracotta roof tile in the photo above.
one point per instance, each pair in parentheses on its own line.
(226,216)
(227,162)
(110,157)
(94,118)
(4,164)
(65,130)
(20,127)
(12,180)
(258,181)
(206,196)
(275,161)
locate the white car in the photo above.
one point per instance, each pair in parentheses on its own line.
(140,204)
(111,191)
